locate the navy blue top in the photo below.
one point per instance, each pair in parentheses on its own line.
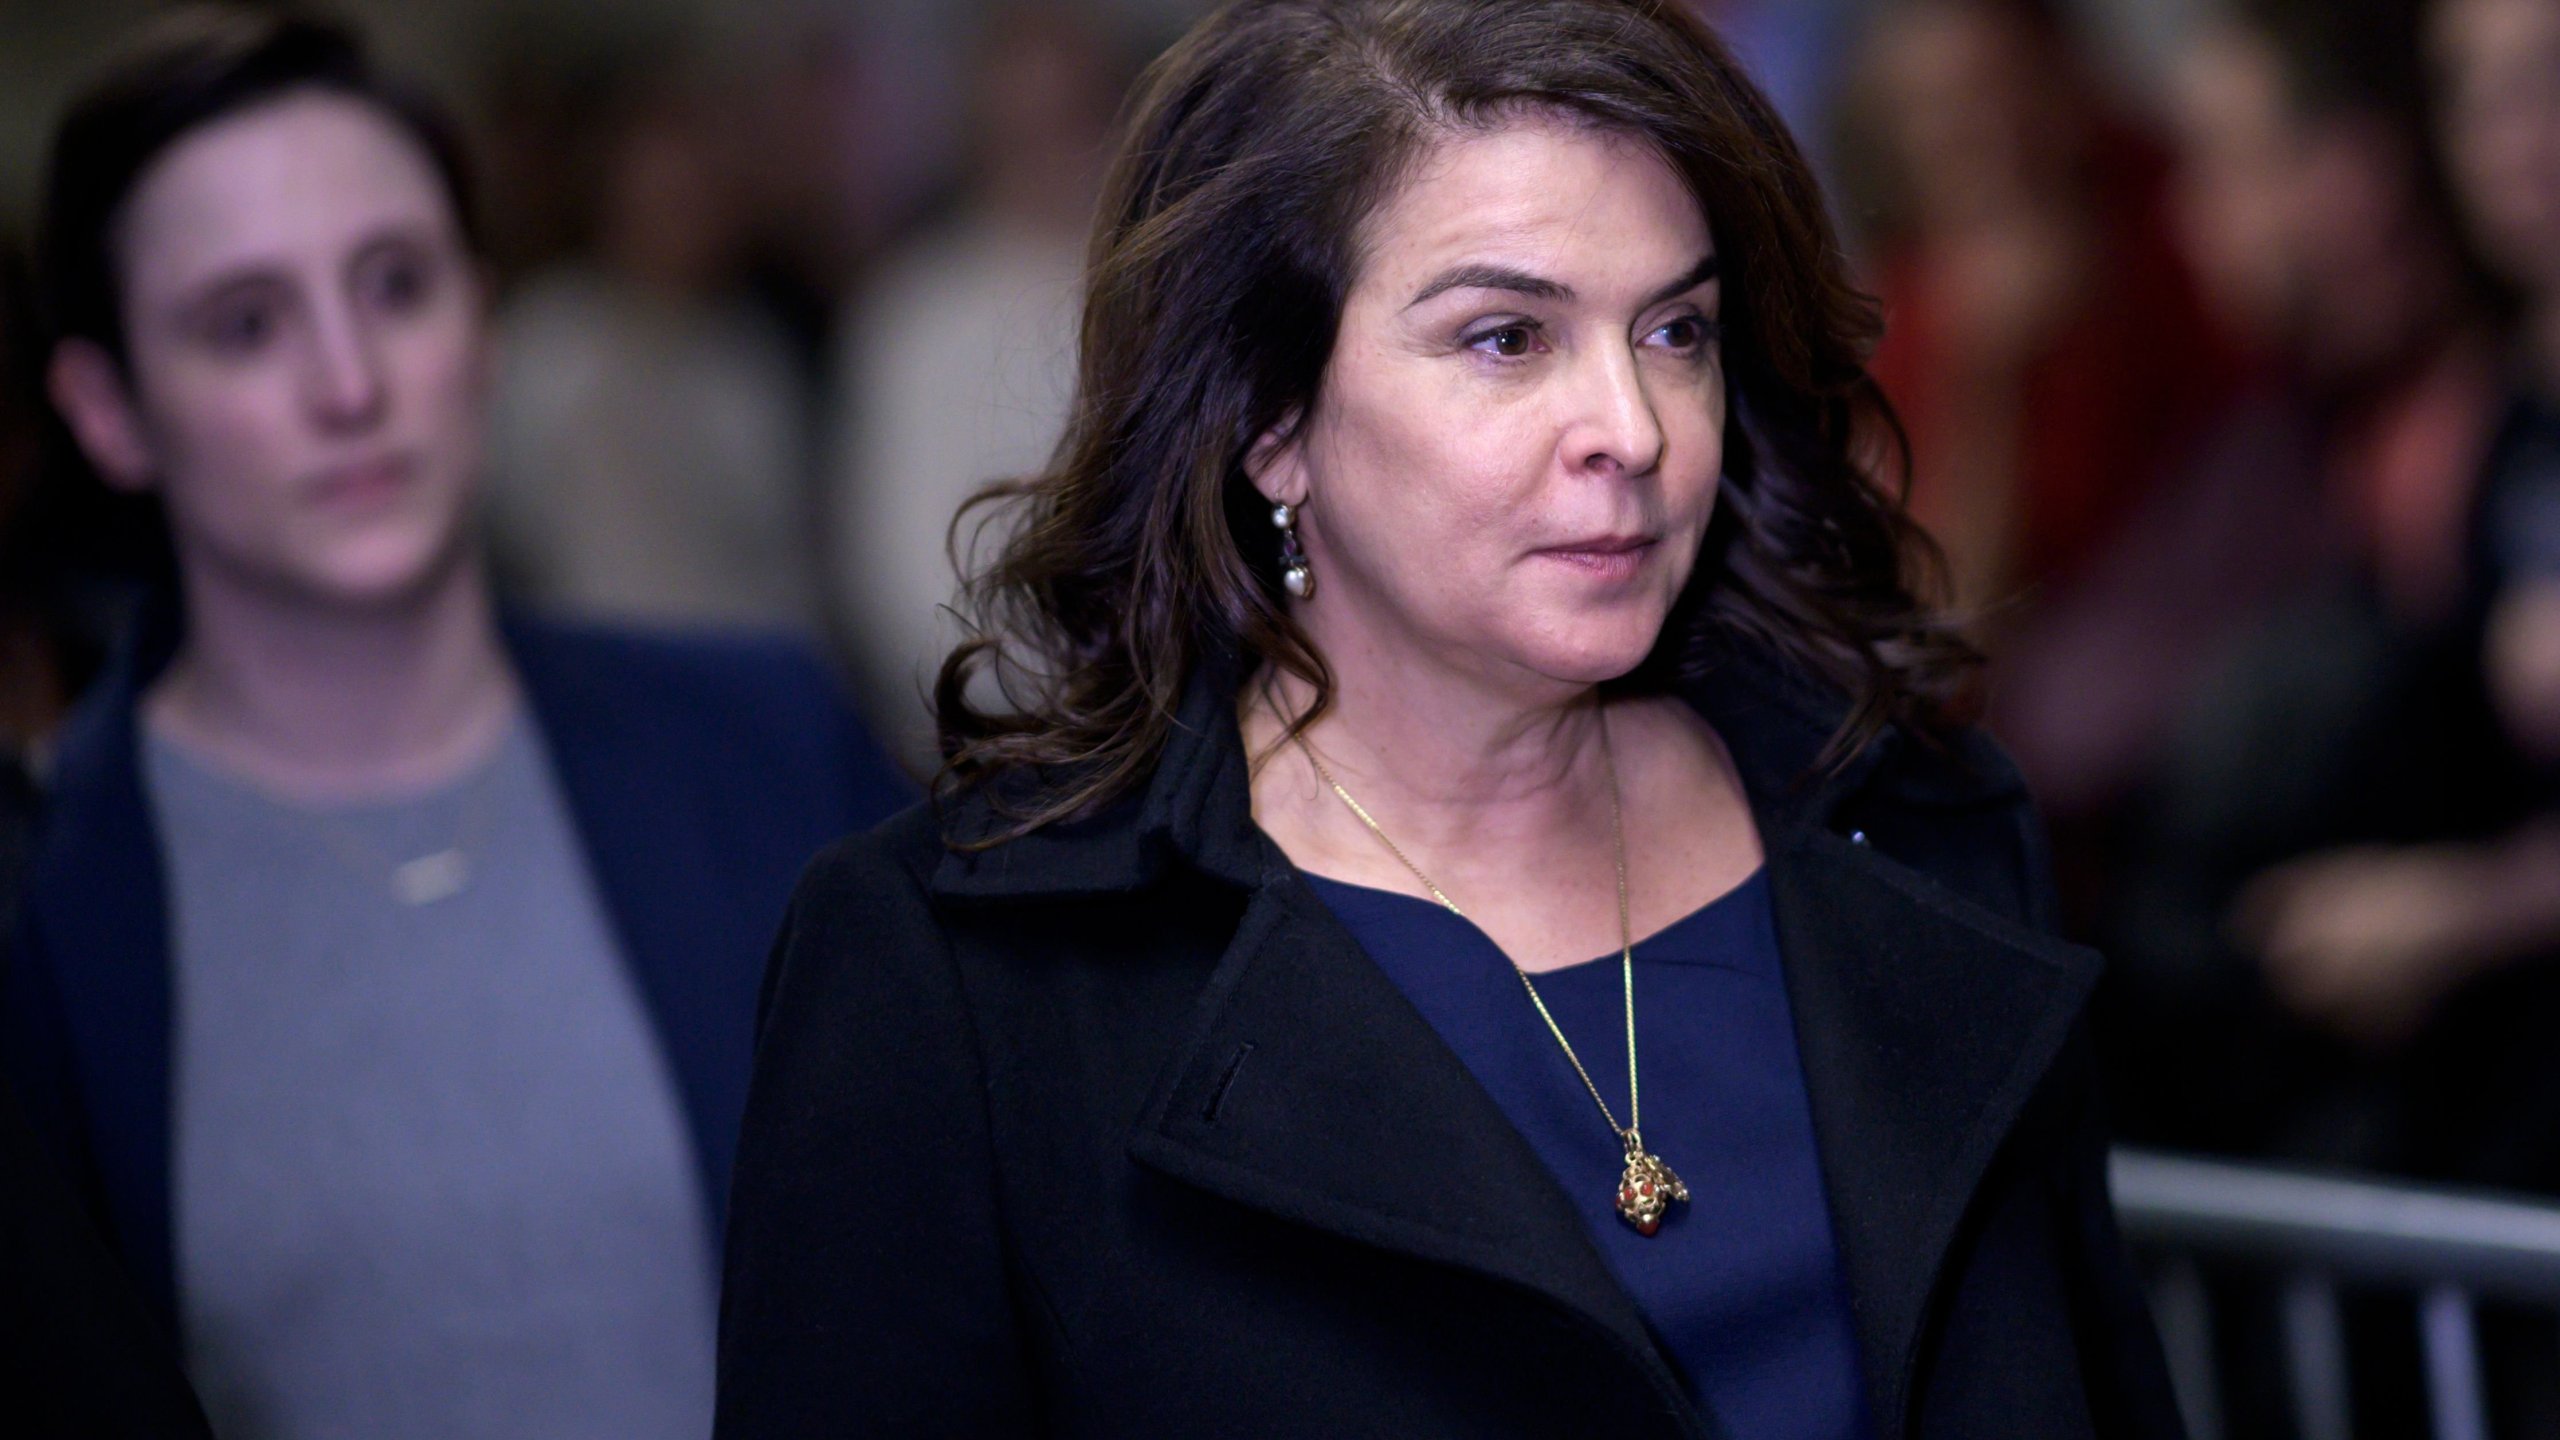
(1742,1285)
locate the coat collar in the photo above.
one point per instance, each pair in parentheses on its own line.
(1308,1087)
(1196,809)
(97,910)
(1924,1022)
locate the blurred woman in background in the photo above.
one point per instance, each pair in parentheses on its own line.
(389,966)
(2043,340)
(956,360)
(648,429)
(2274,649)
(1457,567)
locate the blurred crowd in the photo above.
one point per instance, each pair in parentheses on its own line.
(2231,386)
(2224,382)
(2230,406)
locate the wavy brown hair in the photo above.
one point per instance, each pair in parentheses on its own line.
(1228,236)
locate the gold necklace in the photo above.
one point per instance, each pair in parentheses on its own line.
(1647,1187)
(423,880)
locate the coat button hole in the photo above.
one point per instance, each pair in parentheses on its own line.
(1226,1082)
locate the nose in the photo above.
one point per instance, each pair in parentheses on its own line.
(344,383)
(1615,429)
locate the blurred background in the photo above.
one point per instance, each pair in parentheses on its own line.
(755,257)
(2227,334)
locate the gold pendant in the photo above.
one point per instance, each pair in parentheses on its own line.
(1646,1191)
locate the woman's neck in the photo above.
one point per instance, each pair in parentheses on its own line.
(332,703)
(1458,769)
(1510,809)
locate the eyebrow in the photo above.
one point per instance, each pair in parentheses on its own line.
(1493,277)
(1538,287)
(247,278)
(258,271)
(1707,268)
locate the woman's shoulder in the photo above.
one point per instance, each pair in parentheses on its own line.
(887,867)
(861,925)
(1789,729)
(755,705)
(1956,764)
(1950,803)
(708,662)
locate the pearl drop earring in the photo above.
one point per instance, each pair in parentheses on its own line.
(1295,576)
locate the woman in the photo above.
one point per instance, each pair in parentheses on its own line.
(388,970)
(1460,507)
(2050,350)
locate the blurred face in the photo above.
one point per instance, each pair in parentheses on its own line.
(2498,63)
(1514,452)
(2306,232)
(304,331)
(1971,114)
(2237,145)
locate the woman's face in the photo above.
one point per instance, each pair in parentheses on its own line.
(1512,457)
(2498,65)
(304,332)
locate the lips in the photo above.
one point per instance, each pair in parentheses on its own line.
(1603,545)
(1606,556)
(361,484)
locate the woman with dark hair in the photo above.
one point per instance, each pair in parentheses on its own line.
(388,965)
(1460,565)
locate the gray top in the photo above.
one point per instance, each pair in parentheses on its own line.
(431,1175)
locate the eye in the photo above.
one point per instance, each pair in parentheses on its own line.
(1687,333)
(1510,342)
(242,327)
(397,281)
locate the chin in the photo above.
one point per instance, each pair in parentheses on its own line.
(386,567)
(1594,657)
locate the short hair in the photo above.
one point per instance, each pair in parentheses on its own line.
(190,68)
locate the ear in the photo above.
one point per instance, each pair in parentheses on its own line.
(1277,462)
(89,388)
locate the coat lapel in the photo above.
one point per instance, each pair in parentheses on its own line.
(1924,1023)
(1310,1088)
(1305,1085)
(96,929)
(652,836)
(97,925)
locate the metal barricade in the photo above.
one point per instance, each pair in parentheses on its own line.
(2448,1249)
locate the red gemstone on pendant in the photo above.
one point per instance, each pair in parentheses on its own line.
(1647,1227)
(1647,1188)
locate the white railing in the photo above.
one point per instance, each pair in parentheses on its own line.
(2448,1249)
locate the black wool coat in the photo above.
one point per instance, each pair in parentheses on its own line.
(1114,1131)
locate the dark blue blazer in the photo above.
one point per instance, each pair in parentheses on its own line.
(701,771)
